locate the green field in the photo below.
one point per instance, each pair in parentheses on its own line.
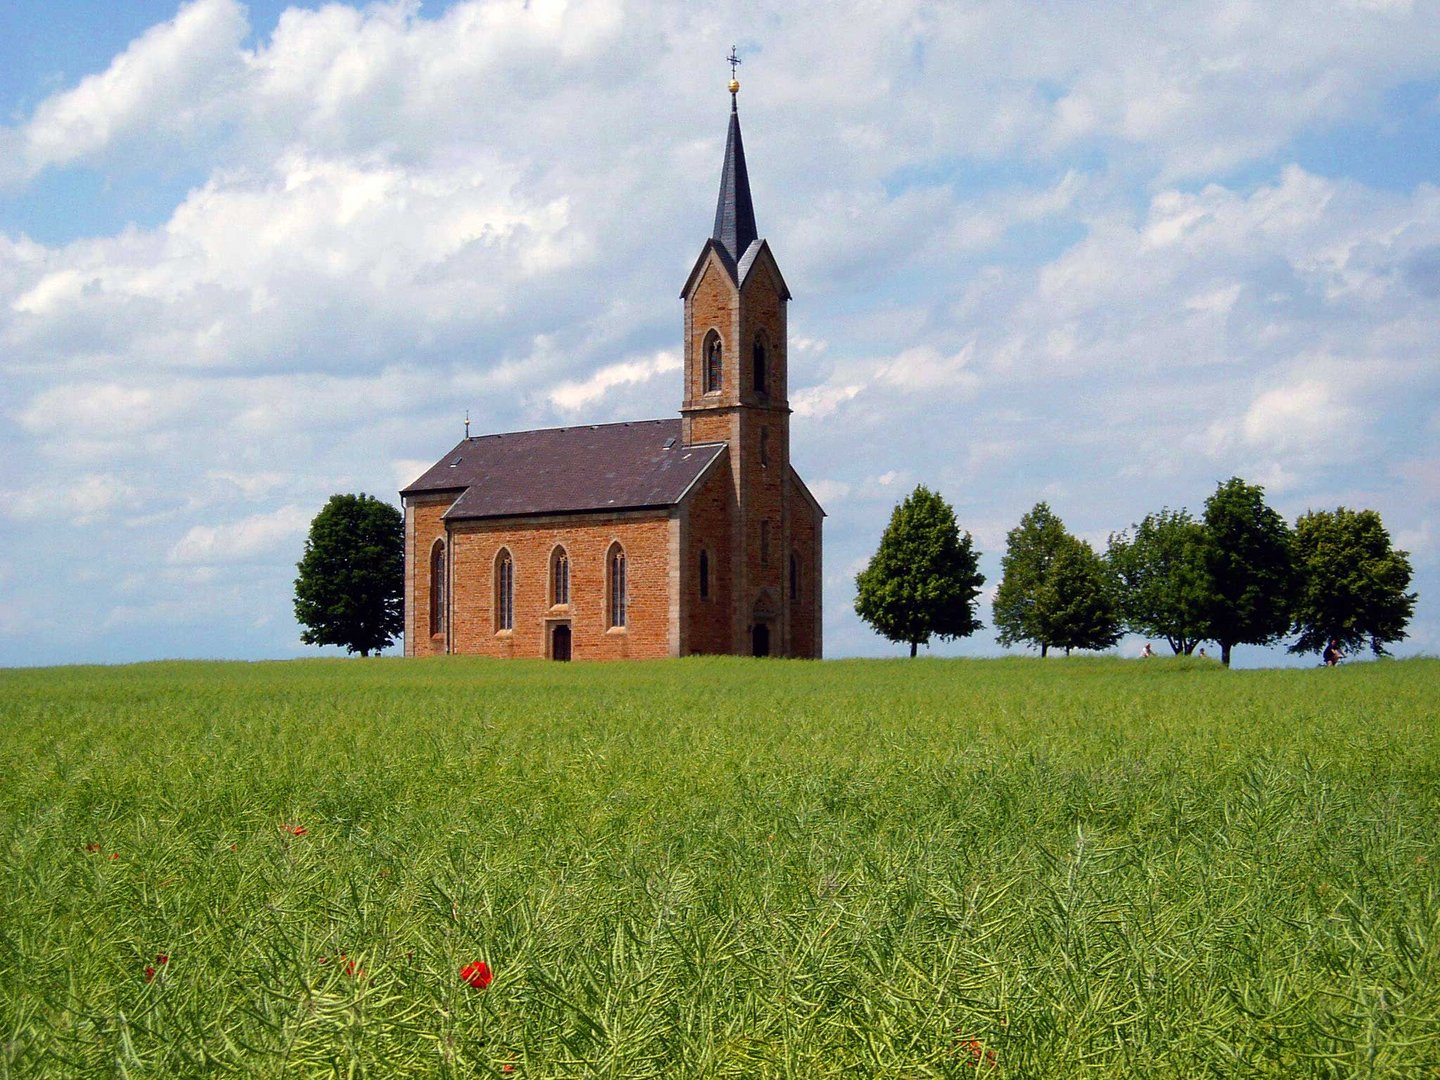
(717,867)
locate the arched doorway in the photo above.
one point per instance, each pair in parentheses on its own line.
(760,639)
(560,642)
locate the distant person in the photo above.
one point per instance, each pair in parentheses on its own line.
(1202,652)
(1146,651)
(1332,653)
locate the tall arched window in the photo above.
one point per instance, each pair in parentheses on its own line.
(504,591)
(437,588)
(559,577)
(704,575)
(617,600)
(713,363)
(794,577)
(758,363)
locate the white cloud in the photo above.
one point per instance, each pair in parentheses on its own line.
(574,396)
(245,540)
(173,79)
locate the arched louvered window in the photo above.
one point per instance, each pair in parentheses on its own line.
(714,366)
(765,446)
(759,361)
(504,591)
(704,575)
(437,588)
(559,577)
(617,600)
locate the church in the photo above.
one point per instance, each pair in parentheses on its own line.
(644,539)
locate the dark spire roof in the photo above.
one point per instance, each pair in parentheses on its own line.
(734,213)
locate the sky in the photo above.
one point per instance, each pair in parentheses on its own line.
(1104,255)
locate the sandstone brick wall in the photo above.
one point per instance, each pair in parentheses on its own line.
(587,539)
(706,526)
(422,528)
(805,535)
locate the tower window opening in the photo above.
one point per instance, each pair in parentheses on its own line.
(761,385)
(714,369)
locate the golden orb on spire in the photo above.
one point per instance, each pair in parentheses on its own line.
(734,86)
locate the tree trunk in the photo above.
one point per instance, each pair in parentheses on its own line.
(913,646)
(1067,650)
(1225,653)
(1043,650)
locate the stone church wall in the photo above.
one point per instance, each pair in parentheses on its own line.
(710,511)
(587,540)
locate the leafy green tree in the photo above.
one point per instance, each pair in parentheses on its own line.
(925,576)
(1159,566)
(1054,590)
(350,590)
(1077,600)
(1351,582)
(1248,568)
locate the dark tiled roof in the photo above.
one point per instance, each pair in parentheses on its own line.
(568,470)
(734,212)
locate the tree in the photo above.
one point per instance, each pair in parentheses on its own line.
(1030,550)
(1350,582)
(1248,568)
(350,590)
(1054,589)
(1077,600)
(1159,567)
(925,576)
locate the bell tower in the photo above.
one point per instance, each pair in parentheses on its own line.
(736,392)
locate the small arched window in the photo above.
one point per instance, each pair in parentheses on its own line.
(504,591)
(559,577)
(437,588)
(794,577)
(759,361)
(704,575)
(714,366)
(615,586)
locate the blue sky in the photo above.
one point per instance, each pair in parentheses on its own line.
(251,255)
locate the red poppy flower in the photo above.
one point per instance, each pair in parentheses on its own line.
(162,959)
(114,855)
(507,1068)
(149,973)
(293,830)
(477,974)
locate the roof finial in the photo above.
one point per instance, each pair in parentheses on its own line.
(467,423)
(734,60)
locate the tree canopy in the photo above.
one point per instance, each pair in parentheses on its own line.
(1077,600)
(1248,568)
(1159,566)
(1054,590)
(350,591)
(1350,582)
(923,579)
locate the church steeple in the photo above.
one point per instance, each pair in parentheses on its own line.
(734,212)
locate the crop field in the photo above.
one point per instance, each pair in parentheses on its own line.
(720,867)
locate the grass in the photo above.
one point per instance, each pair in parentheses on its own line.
(718,867)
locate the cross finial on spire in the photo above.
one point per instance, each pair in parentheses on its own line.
(733,60)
